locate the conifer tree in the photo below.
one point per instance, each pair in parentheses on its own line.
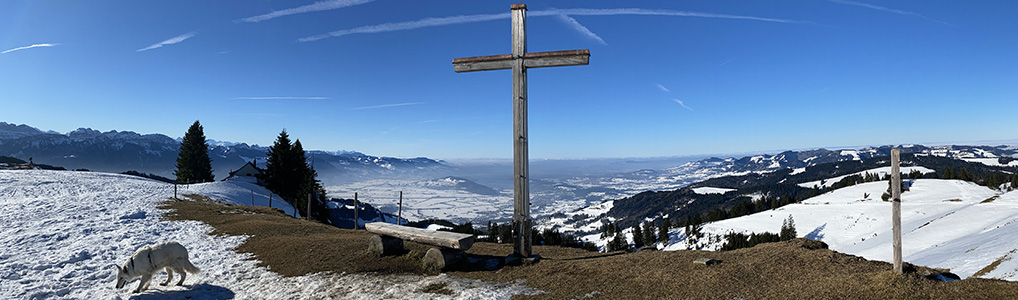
(788,229)
(649,235)
(193,162)
(637,236)
(279,167)
(505,233)
(662,235)
(287,173)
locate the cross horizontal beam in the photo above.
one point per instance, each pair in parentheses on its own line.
(530,60)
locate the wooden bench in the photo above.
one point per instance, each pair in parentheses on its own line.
(449,246)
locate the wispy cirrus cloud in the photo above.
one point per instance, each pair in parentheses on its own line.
(387,105)
(29,47)
(388,27)
(281,98)
(171,41)
(683,104)
(431,22)
(890,10)
(580,28)
(663,88)
(313,7)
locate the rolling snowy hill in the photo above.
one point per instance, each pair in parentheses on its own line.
(945,224)
(64,230)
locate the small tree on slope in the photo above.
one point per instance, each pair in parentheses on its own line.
(193,162)
(662,235)
(788,229)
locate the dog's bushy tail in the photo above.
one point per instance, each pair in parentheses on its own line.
(190,268)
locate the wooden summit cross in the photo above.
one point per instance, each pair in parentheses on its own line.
(519,61)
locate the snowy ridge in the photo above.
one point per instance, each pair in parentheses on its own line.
(63,231)
(883,171)
(945,224)
(711,190)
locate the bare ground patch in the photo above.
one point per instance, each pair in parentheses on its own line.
(992,266)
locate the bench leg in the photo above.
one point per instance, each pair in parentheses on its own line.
(385,245)
(440,258)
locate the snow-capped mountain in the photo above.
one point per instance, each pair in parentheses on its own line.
(118,151)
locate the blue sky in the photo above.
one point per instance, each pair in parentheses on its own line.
(665,78)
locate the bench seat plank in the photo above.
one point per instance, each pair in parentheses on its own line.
(446,239)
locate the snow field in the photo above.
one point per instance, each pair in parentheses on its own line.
(711,190)
(64,231)
(238,192)
(945,224)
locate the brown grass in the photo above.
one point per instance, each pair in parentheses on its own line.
(992,266)
(797,269)
(991,199)
(291,246)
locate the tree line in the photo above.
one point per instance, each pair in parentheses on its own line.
(287,172)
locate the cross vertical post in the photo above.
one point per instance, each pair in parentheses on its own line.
(519,61)
(896,208)
(521,155)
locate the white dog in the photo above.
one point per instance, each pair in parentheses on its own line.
(149,260)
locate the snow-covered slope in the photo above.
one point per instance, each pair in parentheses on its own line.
(945,223)
(62,232)
(883,171)
(238,192)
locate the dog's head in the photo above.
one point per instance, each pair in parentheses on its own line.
(122,277)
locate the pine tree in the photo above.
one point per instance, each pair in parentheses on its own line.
(649,235)
(662,234)
(279,168)
(505,233)
(618,242)
(993,182)
(288,174)
(193,162)
(963,174)
(788,229)
(637,236)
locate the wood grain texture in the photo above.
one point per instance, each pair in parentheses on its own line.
(896,208)
(446,239)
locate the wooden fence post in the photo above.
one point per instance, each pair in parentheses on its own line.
(399,215)
(896,208)
(356,218)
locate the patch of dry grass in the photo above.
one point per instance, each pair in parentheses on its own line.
(291,246)
(991,199)
(992,266)
(796,269)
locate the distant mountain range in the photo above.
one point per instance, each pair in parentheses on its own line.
(458,192)
(118,151)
